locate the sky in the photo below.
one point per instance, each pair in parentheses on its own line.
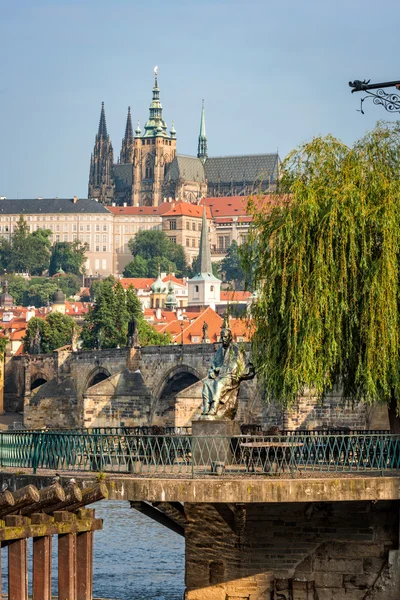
(272,75)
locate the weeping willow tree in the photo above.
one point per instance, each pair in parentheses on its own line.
(324,255)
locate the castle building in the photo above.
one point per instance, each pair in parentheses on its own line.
(149,170)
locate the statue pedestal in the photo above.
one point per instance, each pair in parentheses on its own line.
(212,442)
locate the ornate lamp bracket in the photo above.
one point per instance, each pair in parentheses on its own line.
(375,91)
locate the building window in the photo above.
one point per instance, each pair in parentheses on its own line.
(74,227)
(193,243)
(173,240)
(65,227)
(96,263)
(199,226)
(87,227)
(97,238)
(195,339)
(97,248)
(74,237)
(187,242)
(65,237)
(211,288)
(196,289)
(104,264)
(172,224)
(104,239)
(57,228)
(117,229)
(104,227)
(104,248)
(97,227)
(193,226)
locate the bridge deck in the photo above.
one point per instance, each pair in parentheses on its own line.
(237,490)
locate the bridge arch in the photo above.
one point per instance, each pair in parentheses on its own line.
(38,380)
(174,381)
(97,375)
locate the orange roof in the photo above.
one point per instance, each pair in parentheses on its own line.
(236,206)
(234,296)
(18,335)
(186,209)
(76,308)
(175,280)
(139,283)
(133,210)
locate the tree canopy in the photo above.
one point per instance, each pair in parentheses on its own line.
(153,249)
(55,332)
(69,256)
(231,267)
(106,324)
(39,291)
(325,259)
(26,252)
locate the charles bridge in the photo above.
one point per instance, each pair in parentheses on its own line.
(298,515)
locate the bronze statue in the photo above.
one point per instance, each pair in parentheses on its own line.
(228,369)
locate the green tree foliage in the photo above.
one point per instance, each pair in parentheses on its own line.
(195,268)
(69,256)
(55,331)
(231,267)
(17,287)
(326,263)
(40,294)
(26,252)
(154,248)
(107,321)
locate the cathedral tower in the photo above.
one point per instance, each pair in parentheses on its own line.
(126,155)
(202,152)
(153,151)
(101,179)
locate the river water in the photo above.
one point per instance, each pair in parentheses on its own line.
(135,558)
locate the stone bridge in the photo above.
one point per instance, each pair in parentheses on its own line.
(115,387)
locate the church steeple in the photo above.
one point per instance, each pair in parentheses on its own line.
(205,252)
(126,155)
(204,289)
(155,125)
(101,179)
(202,152)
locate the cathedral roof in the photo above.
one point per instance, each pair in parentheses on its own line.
(33,206)
(253,168)
(187,209)
(189,168)
(123,176)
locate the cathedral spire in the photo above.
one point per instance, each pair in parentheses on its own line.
(128,127)
(102,123)
(126,154)
(101,178)
(202,152)
(155,124)
(204,253)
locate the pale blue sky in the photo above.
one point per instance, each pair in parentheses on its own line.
(272,73)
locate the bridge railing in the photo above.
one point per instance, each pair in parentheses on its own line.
(184,455)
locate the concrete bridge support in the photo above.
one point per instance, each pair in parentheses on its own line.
(323,551)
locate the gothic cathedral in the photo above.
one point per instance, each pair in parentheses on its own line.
(149,170)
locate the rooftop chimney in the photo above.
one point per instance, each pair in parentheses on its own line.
(75,199)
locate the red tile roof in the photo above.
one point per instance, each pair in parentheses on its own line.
(133,210)
(234,296)
(186,209)
(139,283)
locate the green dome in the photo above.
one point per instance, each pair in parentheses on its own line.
(171,300)
(158,287)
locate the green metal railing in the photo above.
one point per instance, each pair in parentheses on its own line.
(185,455)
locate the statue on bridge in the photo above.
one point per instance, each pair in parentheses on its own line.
(133,334)
(228,369)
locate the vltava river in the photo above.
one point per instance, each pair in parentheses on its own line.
(136,558)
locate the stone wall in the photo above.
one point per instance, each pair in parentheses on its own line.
(315,551)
